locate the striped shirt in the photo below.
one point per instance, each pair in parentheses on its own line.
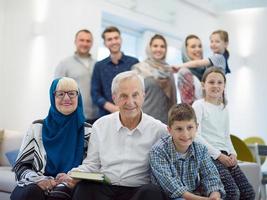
(178,174)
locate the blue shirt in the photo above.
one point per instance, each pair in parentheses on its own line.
(103,74)
(177,173)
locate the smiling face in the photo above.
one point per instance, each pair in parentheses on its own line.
(66,103)
(158,49)
(217,44)
(183,133)
(83,42)
(129,97)
(194,49)
(112,41)
(213,87)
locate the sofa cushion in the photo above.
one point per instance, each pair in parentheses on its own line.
(12,156)
(7,180)
(11,141)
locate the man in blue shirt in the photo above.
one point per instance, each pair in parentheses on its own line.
(106,69)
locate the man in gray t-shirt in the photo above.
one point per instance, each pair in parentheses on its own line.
(80,67)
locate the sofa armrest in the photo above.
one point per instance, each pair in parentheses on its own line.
(11,140)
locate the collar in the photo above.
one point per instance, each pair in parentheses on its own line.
(76,55)
(122,59)
(140,127)
(173,152)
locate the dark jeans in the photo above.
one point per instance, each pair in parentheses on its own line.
(34,192)
(98,191)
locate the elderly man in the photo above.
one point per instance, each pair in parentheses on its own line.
(119,147)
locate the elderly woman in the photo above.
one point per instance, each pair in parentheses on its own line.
(160,90)
(53,146)
(189,78)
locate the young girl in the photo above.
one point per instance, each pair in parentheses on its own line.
(218,43)
(212,116)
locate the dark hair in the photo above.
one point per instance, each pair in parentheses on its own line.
(181,112)
(158,36)
(191,36)
(83,30)
(218,70)
(109,30)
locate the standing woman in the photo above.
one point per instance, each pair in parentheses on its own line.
(189,78)
(53,146)
(160,90)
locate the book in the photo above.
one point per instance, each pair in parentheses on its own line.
(99,177)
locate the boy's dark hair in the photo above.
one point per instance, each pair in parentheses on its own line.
(181,112)
(109,30)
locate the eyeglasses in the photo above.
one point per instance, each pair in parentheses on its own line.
(61,94)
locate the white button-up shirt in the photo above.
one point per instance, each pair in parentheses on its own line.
(122,154)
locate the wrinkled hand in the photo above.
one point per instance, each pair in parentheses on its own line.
(226,160)
(65,178)
(47,184)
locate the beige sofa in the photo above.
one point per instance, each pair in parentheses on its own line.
(10,141)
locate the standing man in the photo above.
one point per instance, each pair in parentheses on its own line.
(119,147)
(80,67)
(106,69)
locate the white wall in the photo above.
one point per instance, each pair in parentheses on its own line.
(36,38)
(32,48)
(2,19)
(247,86)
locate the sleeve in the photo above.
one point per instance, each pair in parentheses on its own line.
(218,60)
(161,171)
(92,161)
(97,88)
(227,135)
(209,175)
(213,152)
(60,70)
(25,167)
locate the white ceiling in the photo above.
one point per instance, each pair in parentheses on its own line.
(165,10)
(219,6)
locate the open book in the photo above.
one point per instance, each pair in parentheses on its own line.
(99,177)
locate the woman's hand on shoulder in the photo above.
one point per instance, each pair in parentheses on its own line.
(175,68)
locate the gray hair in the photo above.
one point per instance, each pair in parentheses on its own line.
(126,76)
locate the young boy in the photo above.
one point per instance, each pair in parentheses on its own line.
(180,165)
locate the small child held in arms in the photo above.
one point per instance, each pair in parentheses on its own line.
(218,43)
(182,167)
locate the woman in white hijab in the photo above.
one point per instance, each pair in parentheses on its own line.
(160,90)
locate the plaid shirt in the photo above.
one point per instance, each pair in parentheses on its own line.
(178,174)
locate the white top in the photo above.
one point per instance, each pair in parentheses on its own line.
(213,130)
(122,154)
